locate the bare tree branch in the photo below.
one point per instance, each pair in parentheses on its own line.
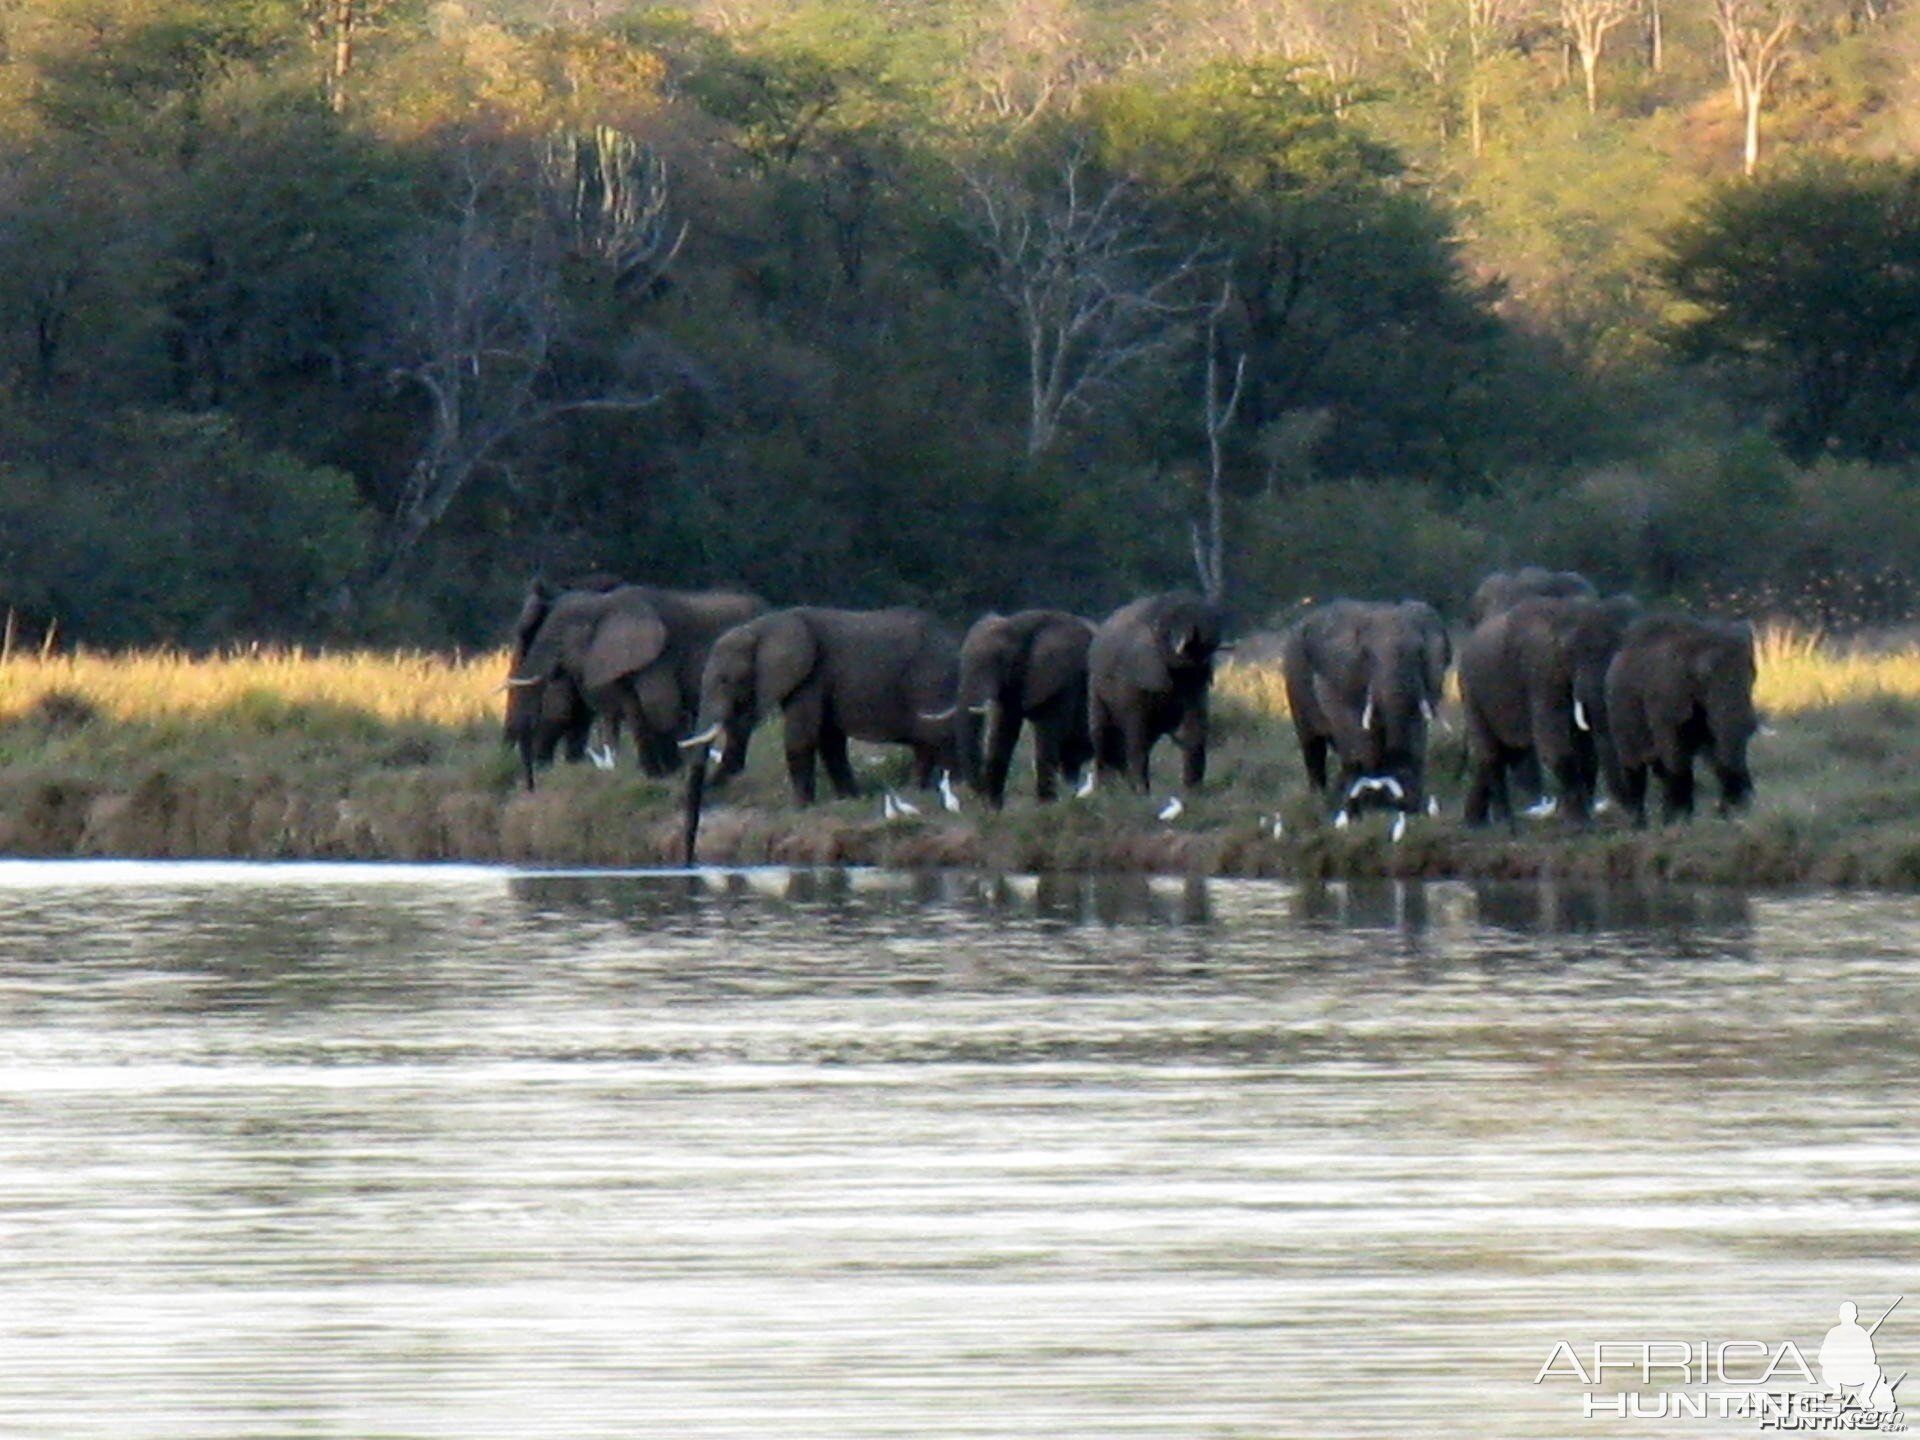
(1093,295)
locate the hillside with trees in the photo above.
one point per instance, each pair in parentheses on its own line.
(340,319)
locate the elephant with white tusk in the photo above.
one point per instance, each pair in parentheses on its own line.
(1025,669)
(1532,686)
(1364,681)
(632,655)
(885,676)
(1149,671)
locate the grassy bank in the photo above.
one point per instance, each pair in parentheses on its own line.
(383,756)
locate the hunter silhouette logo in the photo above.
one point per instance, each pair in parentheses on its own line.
(1847,1364)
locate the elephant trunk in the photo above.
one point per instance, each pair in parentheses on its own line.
(989,731)
(696,794)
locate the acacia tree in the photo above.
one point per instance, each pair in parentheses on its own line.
(1094,294)
(1804,293)
(1755,36)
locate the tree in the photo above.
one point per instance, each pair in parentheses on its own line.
(1217,412)
(1804,292)
(1590,22)
(1094,294)
(487,323)
(1754,36)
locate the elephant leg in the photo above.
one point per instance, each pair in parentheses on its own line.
(733,753)
(1313,755)
(926,765)
(1191,737)
(1676,784)
(1487,790)
(1047,764)
(1109,742)
(1633,794)
(833,754)
(998,761)
(805,727)
(1736,787)
(1570,777)
(1528,782)
(1138,747)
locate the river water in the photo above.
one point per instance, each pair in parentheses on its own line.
(333,1151)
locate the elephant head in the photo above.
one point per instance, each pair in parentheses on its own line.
(583,657)
(1500,591)
(546,702)
(1368,678)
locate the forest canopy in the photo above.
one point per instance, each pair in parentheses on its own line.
(341,319)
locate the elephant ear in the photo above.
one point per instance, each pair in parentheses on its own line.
(624,643)
(786,654)
(1321,649)
(1058,656)
(1145,662)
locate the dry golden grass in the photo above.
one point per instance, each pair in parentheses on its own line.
(1798,670)
(391,686)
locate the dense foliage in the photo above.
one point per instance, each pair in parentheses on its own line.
(341,318)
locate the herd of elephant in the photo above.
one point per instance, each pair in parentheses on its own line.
(1555,683)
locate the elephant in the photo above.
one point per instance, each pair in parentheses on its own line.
(539,718)
(885,676)
(1678,687)
(632,655)
(1149,668)
(1364,680)
(1025,668)
(1532,691)
(1501,591)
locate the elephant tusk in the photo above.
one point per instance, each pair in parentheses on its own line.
(1580,716)
(1366,715)
(1426,709)
(939,717)
(705,737)
(519,682)
(985,707)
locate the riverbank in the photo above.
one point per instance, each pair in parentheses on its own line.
(399,758)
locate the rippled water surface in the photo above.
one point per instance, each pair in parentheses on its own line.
(356,1152)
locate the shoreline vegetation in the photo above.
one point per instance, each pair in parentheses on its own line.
(290,754)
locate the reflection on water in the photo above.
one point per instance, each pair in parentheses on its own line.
(460,1152)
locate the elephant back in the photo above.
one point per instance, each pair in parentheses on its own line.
(1500,591)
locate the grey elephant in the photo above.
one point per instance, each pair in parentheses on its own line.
(633,656)
(1501,591)
(1681,687)
(1364,681)
(1029,668)
(1149,671)
(1532,693)
(883,676)
(540,718)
